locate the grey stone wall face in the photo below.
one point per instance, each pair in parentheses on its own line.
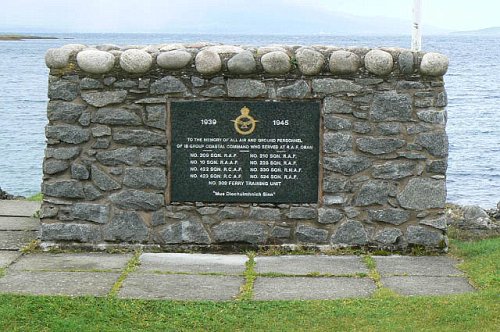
(383,156)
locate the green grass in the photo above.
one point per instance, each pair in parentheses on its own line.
(381,292)
(246,291)
(481,262)
(35,198)
(383,312)
(31,247)
(372,270)
(477,312)
(132,265)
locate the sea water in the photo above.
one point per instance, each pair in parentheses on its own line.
(472,84)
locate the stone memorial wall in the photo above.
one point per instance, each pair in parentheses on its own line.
(203,146)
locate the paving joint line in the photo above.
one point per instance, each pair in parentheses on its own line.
(257,274)
(131,266)
(374,274)
(16,216)
(221,274)
(424,275)
(312,275)
(71,270)
(246,290)
(6,268)
(19,230)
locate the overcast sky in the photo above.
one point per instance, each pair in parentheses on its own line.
(169,16)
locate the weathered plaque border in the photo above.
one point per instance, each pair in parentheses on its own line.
(313,107)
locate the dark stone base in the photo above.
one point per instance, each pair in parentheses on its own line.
(239,248)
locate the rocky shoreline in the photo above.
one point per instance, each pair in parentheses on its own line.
(472,222)
(6,196)
(23,37)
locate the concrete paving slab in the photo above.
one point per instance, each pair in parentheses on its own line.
(19,224)
(422,285)
(181,287)
(58,283)
(417,266)
(15,208)
(72,262)
(7,257)
(306,288)
(193,263)
(306,264)
(15,240)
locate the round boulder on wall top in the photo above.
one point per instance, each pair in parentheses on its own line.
(175,59)
(310,62)
(434,64)
(95,62)
(406,62)
(242,63)
(108,47)
(117,54)
(276,62)
(344,62)
(171,47)
(379,62)
(208,62)
(74,48)
(270,48)
(57,58)
(224,49)
(136,61)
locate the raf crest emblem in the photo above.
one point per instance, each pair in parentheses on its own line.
(245,123)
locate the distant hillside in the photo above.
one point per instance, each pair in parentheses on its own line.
(249,17)
(493,31)
(296,19)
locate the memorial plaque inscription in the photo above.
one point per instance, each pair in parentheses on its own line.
(255,151)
